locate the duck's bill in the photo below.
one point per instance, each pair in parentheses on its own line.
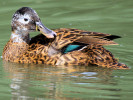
(44,30)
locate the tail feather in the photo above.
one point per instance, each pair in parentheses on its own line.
(118,66)
(112,37)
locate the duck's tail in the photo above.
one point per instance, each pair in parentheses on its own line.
(98,55)
(117,66)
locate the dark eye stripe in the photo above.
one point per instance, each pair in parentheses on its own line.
(25,19)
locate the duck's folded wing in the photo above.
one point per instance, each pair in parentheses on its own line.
(101,40)
(68,36)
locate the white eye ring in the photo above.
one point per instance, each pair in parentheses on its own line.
(25,19)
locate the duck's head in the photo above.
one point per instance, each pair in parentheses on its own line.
(26,20)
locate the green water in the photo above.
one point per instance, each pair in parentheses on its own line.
(39,82)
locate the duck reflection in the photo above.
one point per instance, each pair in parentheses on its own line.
(52,82)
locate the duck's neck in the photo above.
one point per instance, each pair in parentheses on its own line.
(18,37)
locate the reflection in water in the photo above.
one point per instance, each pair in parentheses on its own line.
(39,81)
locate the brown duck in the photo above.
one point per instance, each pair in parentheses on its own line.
(58,47)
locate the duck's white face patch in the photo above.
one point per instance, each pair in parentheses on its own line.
(24,19)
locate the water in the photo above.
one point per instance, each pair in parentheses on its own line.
(39,82)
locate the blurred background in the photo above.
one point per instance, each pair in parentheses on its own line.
(39,82)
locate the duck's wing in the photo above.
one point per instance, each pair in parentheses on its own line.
(67,36)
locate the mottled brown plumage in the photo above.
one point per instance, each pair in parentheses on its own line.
(46,50)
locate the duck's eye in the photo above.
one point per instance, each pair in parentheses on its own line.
(25,19)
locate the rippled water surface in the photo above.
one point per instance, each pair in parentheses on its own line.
(39,82)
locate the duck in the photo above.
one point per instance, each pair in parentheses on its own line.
(57,47)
